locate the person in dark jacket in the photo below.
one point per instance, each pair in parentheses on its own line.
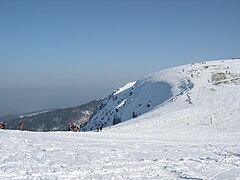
(21,125)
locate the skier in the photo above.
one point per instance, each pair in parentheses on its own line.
(100,128)
(2,125)
(74,127)
(78,128)
(21,125)
(69,127)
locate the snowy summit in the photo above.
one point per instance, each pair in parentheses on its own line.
(179,123)
(194,89)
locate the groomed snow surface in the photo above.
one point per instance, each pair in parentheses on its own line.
(193,134)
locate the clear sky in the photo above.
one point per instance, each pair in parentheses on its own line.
(106,43)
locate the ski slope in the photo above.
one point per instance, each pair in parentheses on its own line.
(190,131)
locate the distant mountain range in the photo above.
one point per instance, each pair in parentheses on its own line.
(53,120)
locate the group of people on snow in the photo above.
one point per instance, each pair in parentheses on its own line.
(3,125)
(99,127)
(73,127)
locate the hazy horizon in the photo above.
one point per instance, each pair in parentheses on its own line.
(23,100)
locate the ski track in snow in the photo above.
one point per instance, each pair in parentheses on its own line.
(194,134)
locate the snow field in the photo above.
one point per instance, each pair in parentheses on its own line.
(113,155)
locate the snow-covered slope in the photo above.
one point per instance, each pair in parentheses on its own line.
(191,130)
(129,102)
(191,86)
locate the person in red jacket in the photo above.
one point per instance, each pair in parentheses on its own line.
(2,125)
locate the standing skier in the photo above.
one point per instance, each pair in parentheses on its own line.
(21,125)
(2,125)
(69,127)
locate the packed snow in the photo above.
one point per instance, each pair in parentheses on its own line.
(190,131)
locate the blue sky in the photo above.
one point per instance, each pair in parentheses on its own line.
(106,43)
